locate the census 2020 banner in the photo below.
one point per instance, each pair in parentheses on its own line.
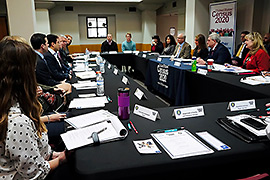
(223,22)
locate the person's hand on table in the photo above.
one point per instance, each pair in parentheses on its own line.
(201,61)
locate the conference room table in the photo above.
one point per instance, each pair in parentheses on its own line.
(180,86)
(121,160)
(183,87)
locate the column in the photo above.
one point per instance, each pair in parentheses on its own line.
(21,17)
(148,26)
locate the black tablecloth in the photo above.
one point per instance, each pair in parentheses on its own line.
(120,159)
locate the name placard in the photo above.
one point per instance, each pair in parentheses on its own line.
(109,66)
(159,59)
(145,112)
(144,55)
(139,94)
(125,80)
(242,105)
(202,71)
(177,63)
(189,112)
(115,71)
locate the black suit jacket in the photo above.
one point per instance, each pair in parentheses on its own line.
(43,74)
(220,55)
(105,47)
(58,73)
(244,54)
(159,47)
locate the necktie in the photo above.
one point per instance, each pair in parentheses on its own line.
(239,51)
(178,51)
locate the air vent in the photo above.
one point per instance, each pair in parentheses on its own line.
(132,9)
(68,8)
(174,4)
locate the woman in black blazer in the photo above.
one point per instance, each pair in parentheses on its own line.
(201,48)
(169,45)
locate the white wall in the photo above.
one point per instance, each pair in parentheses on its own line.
(164,22)
(43,21)
(21,21)
(63,22)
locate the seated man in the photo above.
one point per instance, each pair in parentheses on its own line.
(241,51)
(218,51)
(59,71)
(128,44)
(40,44)
(109,44)
(182,49)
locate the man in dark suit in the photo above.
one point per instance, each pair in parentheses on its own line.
(182,49)
(240,51)
(109,44)
(266,42)
(218,51)
(59,71)
(62,52)
(40,44)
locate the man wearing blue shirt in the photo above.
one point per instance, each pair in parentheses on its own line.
(128,44)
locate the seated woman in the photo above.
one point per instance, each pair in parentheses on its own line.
(25,152)
(201,48)
(257,59)
(169,45)
(157,45)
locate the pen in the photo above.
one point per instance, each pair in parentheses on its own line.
(248,111)
(100,131)
(129,127)
(133,127)
(268,109)
(168,130)
(109,99)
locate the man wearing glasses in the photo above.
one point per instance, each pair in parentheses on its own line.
(182,49)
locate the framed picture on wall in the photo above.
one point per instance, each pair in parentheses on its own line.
(97,27)
(172,31)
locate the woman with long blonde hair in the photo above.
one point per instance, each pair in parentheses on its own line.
(257,59)
(24,149)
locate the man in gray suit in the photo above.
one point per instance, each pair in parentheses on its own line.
(182,49)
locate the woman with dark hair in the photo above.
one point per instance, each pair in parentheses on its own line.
(169,45)
(157,45)
(24,149)
(201,48)
(257,58)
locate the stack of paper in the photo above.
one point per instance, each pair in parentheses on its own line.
(80,103)
(231,69)
(93,122)
(86,75)
(85,85)
(256,80)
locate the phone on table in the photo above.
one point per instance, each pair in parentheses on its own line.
(254,123)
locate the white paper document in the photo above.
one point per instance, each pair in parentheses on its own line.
(146,146)
(230,69)
(93,122)
(80,103)
(213,141)
(180,144)
(256,80)
(85,85)
(86,75)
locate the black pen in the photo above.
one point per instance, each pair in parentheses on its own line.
(248,111)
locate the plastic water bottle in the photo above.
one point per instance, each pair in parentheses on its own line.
(87,52)
(193,66)
(100,84)
(101,66)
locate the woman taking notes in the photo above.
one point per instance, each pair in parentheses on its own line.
(257,59)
